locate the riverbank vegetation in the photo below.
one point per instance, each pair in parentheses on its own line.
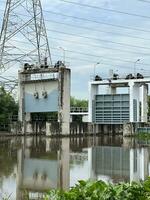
(8,106)
(99,190)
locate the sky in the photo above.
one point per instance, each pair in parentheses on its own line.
(105,35)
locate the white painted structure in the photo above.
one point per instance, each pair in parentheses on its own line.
(80,111)
(43,90)
(137,91)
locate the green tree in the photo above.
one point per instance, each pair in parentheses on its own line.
(8,106)
(78,102)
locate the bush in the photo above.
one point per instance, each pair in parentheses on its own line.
(99,190)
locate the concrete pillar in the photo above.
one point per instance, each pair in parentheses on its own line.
(133,165)
(139,161)
(144,104)
(21,88)
(19,175)
(84,118)
(20,97)
(64,100)
(48,146)
(143,163)
(91,163)
(93,90)
(48,129)
(28,117)
(113,90)
(134,97)
(128,129)
(64,164)
(71,118)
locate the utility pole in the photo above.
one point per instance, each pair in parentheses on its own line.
(23,36)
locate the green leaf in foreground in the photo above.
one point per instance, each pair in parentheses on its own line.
(99,190)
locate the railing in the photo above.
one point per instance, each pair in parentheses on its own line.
(78,109)
(14,118)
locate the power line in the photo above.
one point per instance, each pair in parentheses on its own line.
(102,47)
(106,41)
(94,21)
(92,55)
(97,39)
(103,62)
(97,22)
(7,79)
(92,29)
(98,30)
(99,56)
(85,37)
(96,56)
(107,58)
(106,9)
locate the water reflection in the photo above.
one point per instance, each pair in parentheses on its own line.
(42,165)
(29,166)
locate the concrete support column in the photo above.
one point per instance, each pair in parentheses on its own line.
(19,178)
(91,163)
(113,90)
(144,105)
(134,99)
(71,118)
(21,114)
(64,164)
(21,97)
(64,100)
(93,90)
(143,163)
(27,117)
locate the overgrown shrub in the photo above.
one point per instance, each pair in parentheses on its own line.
(99,190)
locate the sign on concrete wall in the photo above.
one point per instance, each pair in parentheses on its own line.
(41,104)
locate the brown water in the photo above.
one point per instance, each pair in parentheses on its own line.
(32,165)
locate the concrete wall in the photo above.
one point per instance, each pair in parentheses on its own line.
(137,90)
(64,101)
(49,104)
(58,96)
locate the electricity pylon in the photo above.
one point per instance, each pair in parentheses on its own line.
(23,36)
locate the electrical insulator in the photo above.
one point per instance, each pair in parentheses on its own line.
(44,94)
(36,95)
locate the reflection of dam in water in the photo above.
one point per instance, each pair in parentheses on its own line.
(56,163)
(34,165)
(117,163)
(36,175)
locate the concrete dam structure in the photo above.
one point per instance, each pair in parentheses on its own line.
(44,90)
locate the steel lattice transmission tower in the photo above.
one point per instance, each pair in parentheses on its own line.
(23,36)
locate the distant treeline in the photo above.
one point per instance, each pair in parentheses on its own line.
(8,106)
(78,102)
